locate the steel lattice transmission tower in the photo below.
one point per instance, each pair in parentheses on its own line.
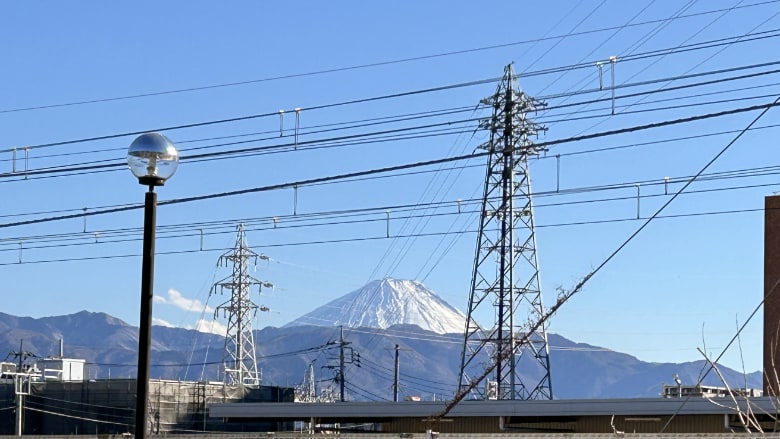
(505,277)
(238,358)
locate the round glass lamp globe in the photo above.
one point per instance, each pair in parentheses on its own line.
(152,158)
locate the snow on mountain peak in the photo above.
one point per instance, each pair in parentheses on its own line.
(386,302)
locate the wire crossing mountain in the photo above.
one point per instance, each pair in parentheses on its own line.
(385,303)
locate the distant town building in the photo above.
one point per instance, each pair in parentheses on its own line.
(701,391)
(61,369)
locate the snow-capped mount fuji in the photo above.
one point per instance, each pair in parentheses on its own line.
(387,302)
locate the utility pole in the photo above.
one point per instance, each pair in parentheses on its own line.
(397,369)
(21,355)
(395,377)
(347,355)
(342,376)
(21,385)
(19,404)
(239,359)
(505,276)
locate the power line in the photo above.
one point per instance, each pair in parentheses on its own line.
(363,392)
(350,175)
(261,115)
(573,153)
(565,295)
(304,220)
(376,64)
(455,110)
(381,236)
(395,133)
(62,415)
(697,65)
(663,52)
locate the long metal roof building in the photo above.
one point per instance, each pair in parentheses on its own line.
(645,415)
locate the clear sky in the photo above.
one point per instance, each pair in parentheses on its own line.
(90,69)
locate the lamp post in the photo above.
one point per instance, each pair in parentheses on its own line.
(152,158)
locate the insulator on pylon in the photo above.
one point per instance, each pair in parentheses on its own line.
(505,275)
(239,359)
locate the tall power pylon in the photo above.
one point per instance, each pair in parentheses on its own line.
(238,358)
(505,277)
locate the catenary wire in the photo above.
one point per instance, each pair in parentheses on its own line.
(380,236)
(664,52)
(563,154)
(363,66)
(117,163)
(398,167)
(289,221)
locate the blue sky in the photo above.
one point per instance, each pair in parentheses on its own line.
(683,283)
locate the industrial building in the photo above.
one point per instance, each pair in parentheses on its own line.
(642,415)
(107,406)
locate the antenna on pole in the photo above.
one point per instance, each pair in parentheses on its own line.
(239,359)
(505,277)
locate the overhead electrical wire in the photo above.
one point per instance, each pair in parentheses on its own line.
(432,183)
(119,164)
(652,33)
(545,157)
(570,33)
(439,193)
(416,381)
(455,110)
(322,143)
(81,170)
(381,236)
(567,294)
(81,418)
(407,244)
(369,65)
(748,128)
(129,411)
(587,77)
(603,42)
(396,167)
(715,43)
(644,39)
(258,115)
(354,388)
(304,130)
(721,49)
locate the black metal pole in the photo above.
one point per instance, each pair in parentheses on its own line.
(395,376)
(341,365)
(145,325)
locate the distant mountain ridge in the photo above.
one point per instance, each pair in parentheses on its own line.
(387,302)
(429,360)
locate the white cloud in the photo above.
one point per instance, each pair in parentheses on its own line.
(161,322)
(202,325)
(176,299)
(211,326)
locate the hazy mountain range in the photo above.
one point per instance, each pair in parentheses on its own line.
(429,358)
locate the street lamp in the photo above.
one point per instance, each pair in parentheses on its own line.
(152,158)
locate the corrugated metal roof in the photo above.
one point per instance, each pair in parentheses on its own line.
(589,407)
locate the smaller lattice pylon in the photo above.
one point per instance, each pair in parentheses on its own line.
(239,359)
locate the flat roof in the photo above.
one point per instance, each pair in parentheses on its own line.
(514,408)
